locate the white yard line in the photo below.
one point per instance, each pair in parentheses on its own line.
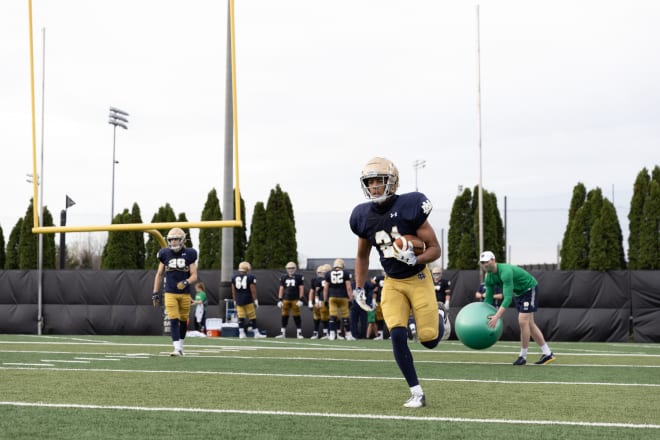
(333,415)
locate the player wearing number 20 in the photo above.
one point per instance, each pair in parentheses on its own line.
(408,285)
(178,266)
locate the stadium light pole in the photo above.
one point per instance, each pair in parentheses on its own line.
(118,118)
(417,164)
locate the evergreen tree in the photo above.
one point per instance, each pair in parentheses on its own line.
(460,236)
(649,246)
(210,239)
(120,250)
(49,247)
(578,199)
(605,247)
(635,217)
(281,244)
(240,238)
(28,242)
(165,214)
(12,261)
(3,254)
(577,249)
(27,245)
(138,237)
(256,252)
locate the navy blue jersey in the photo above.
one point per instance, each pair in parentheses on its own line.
(292,286)
(317,286)
(442,289)
(177,267)
(382,223)
(242,283)
(336,281)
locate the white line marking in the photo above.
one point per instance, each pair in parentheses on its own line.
(328,376)
(334,415)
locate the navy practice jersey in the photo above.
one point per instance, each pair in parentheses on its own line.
(242,283)
(177,267)
(441,289)
(382,223)
(317,286)
(336,281)
(292,286)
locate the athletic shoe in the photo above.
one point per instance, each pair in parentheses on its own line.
(300,336)
(413,332)
(416,401)
(350,337)
(379,337)
(546,359)
(315,336)
(332,336)
(520,361)
(325,337)
(340,338)
(242,336)
(177,353)
(281,335)
(446,324)
(259,335)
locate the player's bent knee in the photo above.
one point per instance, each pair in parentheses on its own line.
(427,335)
(431,344)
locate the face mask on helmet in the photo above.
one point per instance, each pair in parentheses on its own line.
(379,179)
(176,239)
(291,269)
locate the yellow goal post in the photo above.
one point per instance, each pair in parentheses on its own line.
(151,228)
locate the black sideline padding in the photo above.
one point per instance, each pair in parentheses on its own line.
(613,306)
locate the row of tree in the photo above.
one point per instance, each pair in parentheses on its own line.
(592,239)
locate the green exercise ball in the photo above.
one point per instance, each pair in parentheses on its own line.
(472,329)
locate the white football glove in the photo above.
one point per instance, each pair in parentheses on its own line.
(300,303)
(360,297)
(310,304)
(405,255)
(256,303)
(279,304)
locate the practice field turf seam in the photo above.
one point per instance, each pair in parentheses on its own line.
(333,415)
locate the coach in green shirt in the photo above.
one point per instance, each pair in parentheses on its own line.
(519,285)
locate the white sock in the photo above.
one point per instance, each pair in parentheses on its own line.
(283,330)
(417,389)
(545,349)
(523,352)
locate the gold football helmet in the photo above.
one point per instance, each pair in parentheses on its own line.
(338,263)
(176,239)
(244,266)
(384,178)
(291,268)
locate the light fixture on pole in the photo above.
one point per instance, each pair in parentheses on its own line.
(117,118)
(417,164)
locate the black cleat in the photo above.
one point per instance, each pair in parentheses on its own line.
(520,361)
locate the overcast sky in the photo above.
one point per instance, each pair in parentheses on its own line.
(569,93)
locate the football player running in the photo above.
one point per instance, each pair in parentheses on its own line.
(290,298)
(244,294)
(178,266)
(408,285)
(337,293)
